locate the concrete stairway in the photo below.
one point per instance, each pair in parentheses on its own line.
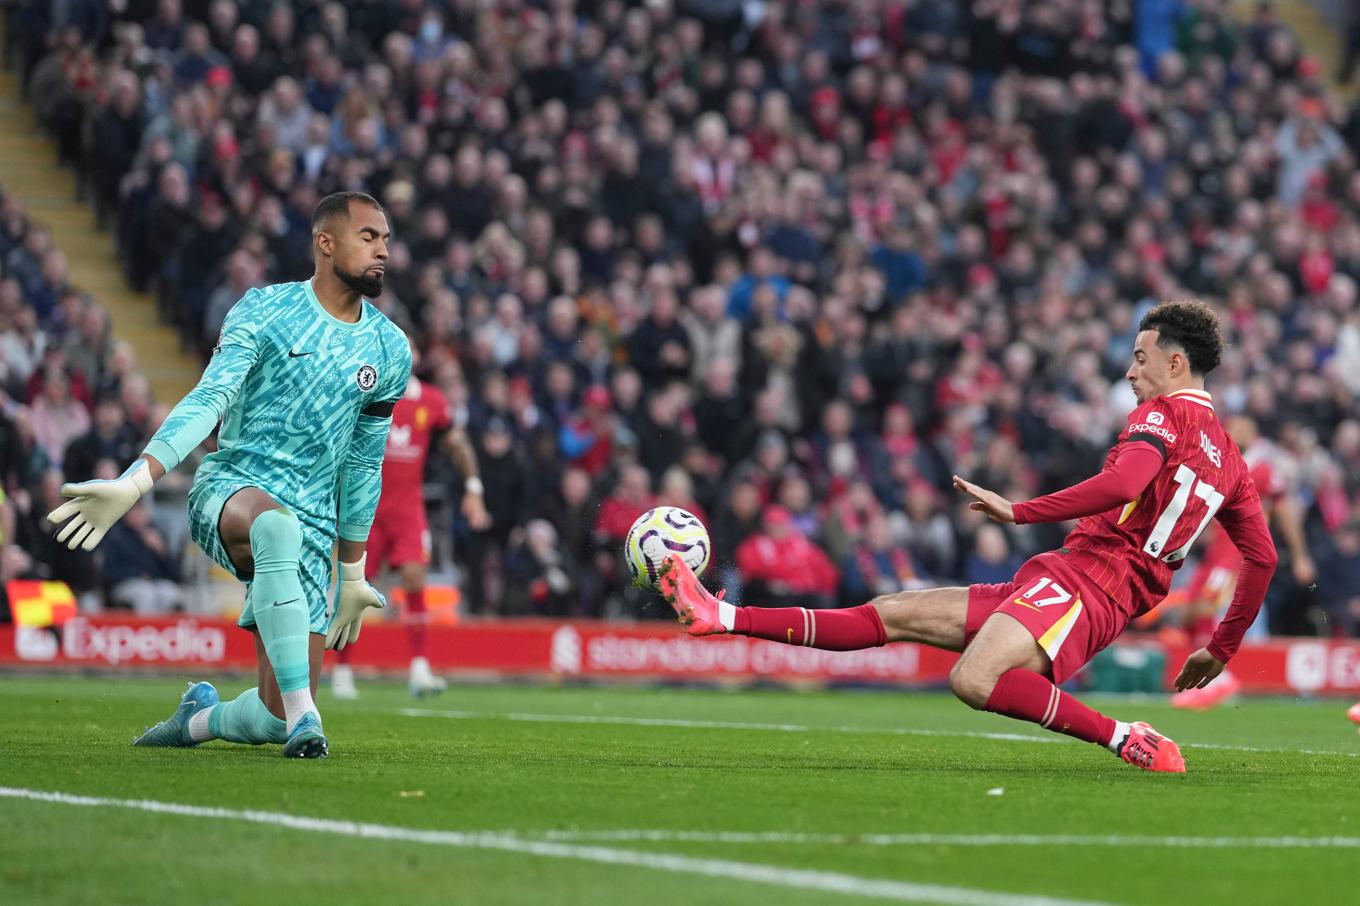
(28,169)
(1319,38)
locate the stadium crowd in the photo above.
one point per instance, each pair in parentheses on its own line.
(787,264)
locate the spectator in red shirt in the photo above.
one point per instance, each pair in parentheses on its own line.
(620,510)
(764,560)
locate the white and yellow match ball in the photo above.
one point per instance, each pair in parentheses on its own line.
(660,532)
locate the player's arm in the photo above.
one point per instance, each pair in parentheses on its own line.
(96,505)
(1246,526)
(360,488)
(1133,468)
(459,447)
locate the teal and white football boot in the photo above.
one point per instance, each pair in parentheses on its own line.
(174,730)
(307,739)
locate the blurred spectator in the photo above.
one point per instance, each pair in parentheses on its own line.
(542,579)
(781,567)
(619,510)
(677,489)
(660,346)
(926,532)
(109,438)
(504,477)
(1338,581)
(876,566)
(21,345)
(991,561)
(243,272)
(587,439)
(58,418)
(138,567)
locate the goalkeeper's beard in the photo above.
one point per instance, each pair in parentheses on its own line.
(366,284)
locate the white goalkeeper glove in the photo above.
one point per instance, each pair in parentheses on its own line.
(353,595)
(96,505)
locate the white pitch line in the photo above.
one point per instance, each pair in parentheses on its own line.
(775,875)
(1210,745)
(739,837)
(806,728)
(717,724)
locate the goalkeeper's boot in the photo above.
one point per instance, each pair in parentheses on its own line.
(1216,693)
(423,681)
(1151,751)
(1354,712)
(696,608)
(307,739)
(342,683)
(174,730)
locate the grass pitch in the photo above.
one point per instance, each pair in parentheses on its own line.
(660,796)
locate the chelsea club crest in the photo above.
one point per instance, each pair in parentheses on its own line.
(367,378)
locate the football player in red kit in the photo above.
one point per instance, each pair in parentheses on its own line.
(1211,587)
(400,536)
(1171,471)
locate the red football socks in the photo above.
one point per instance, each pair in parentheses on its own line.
(416,621)
(1025,695)
(849,629)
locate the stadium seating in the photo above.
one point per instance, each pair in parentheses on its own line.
(819,256)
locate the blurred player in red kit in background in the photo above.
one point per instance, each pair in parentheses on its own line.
(400,536)
(1211,588)
(1172,470)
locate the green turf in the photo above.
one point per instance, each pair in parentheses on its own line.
(848,773)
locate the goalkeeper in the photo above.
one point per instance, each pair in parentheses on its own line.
(303,381)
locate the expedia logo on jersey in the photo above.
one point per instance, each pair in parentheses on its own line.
(1156,418)
(367,378)
(1151,427)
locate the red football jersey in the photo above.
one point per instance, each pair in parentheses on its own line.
(419,415)
(1132,552)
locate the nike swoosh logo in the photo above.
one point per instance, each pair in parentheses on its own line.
(298,355)
(289,601)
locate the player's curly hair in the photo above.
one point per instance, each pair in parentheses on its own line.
(1191,325)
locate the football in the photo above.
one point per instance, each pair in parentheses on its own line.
(661,531)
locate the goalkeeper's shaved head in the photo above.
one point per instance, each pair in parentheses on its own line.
(335,209)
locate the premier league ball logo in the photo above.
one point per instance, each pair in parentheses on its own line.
(367,378)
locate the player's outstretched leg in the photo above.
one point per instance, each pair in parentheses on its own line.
(281,616)
(1000,672)
(174,730)
(847,629)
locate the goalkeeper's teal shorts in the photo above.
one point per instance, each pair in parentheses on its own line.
(208,496)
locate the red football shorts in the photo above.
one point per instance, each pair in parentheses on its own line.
(1069,615)
(398,536)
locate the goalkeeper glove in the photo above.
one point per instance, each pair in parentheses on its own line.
(353,595)
(96,505)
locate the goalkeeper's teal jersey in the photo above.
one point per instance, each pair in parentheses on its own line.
(289,382)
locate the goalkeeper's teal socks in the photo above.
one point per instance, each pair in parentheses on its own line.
(243,719)
(280,607)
